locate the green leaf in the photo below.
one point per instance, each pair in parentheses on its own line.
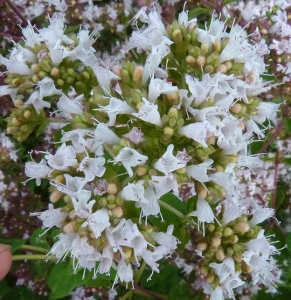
(4,288)
(176,203)
(62,279)
(39,241)
(42,127)
(194,13)
(15,244)
(71,29)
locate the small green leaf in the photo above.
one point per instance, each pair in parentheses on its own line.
(39,241)
(42,127)
(15,244)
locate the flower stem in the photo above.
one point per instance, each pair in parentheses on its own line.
(126,296)
(110,152)
(140,271)
(33,257)
(172,209)
(34,248)
(17,12)
(58,120)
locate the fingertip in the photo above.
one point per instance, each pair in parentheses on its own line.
(5,260)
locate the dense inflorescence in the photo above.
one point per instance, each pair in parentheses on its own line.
(178,126)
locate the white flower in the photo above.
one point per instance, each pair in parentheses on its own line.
(134,192)
(37,170)
(266,111)
(37,101)
(63,245)
(203,212)
(228,278)
(166,239)
(130,158)
(231,212)
(66,105)
(149,113)
(151,257)
(124,273)
(104,77)
(261,215)
(83,208)
(215,32)
(92,167)
(64,158)
(106,261)
(98,221)
(73,186)
(133,238)
(164,184)
(158,86)
(115,107)
(77,138)
(151,207)
(217,294)
(102,135)
(51,217)
(199,172)
(195,131)
(16,64)
(168,162)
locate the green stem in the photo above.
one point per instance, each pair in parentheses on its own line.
(139,290)
(34,248)
(110,152)
(140,271)
(33,257)
(58,120)
(172,209)
(177,213)
(126,296)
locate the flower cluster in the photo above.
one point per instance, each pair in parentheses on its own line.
(179,127)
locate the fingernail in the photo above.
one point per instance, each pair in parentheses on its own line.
(4,247)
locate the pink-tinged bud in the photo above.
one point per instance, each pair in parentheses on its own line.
(111,189)
(55,196)
(219,254)
(236,108)
(202,246)
(215,241)
(241,227)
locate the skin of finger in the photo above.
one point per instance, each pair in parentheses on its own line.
(5,262)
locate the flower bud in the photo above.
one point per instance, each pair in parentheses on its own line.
(55,196)
(241,227)
(219,254)
(177,36)
(27,114)
(117,212)
(236,108)
(202,246)
(69,228)
(191,61)
(215,241)
(141,170)
(55,72)
(18,102)
(111,189)
(201,61)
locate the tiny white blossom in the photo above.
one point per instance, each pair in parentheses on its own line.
(37,170)
(130,158)
(149,113)
(168,162)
